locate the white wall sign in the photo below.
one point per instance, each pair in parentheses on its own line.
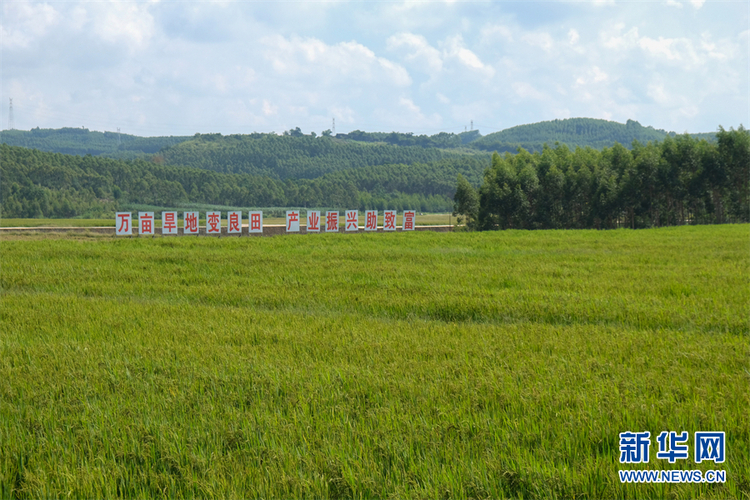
(389,220)
(123,224)
(169,223)
(292,221)
(409,218)
(213,223)
(332,222)
(352,220)
(256,222)
(234,222)
(190,222)
(146,223)
(313,221)
(371,220)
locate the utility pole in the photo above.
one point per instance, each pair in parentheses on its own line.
(11,124)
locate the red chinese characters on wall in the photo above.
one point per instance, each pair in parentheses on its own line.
(123,224)
(146,223)
(190,223)
(352,220)
(213,223)
(389,220)
(234,222)
(371,220)
(409,220)
(169,223)
(316,222)
(292,221)
(256,222)
(313,221)
(332,222)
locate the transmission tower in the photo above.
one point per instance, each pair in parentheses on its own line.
(118,136)
(333,127)
(11,125)
(472,124)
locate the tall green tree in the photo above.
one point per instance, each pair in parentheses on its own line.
(466,203)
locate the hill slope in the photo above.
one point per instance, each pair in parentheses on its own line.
(42,184)
(573,132)
(82,141)
(303,157)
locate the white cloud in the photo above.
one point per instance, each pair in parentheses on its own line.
(186,67)
(23,23)
(592,76)
(617,41)
(297,56)
(542,40)
(418,51)
(526,91)
(496,33)
(127,24)
(269,109)
(344,114)
(456,49)
(573,36)
(409,105)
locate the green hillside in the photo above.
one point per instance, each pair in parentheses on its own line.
(42,184)
(82,141)
(573,132)
(296,157)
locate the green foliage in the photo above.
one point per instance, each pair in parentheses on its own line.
(467,365)
(465,203)
(573,132)
(81,141)
(685,180)
(680,180)
(441,140)
(37,184)
(294,155)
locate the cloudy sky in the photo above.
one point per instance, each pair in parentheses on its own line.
(177,67)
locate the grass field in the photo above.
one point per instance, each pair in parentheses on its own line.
(421,365)
(421,220)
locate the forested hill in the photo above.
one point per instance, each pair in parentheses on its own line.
(296,155)
(40,184)
(573,132)
(288,157)
(82,141)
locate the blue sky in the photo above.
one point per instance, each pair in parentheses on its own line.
(177,68)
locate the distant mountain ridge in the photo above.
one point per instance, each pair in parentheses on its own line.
(574,132)
(82,141)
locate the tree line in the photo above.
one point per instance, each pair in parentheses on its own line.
(82,141)
(293,156)
(680,180)
(41,184)
(573,132)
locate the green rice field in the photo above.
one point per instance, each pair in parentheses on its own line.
(407,365)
